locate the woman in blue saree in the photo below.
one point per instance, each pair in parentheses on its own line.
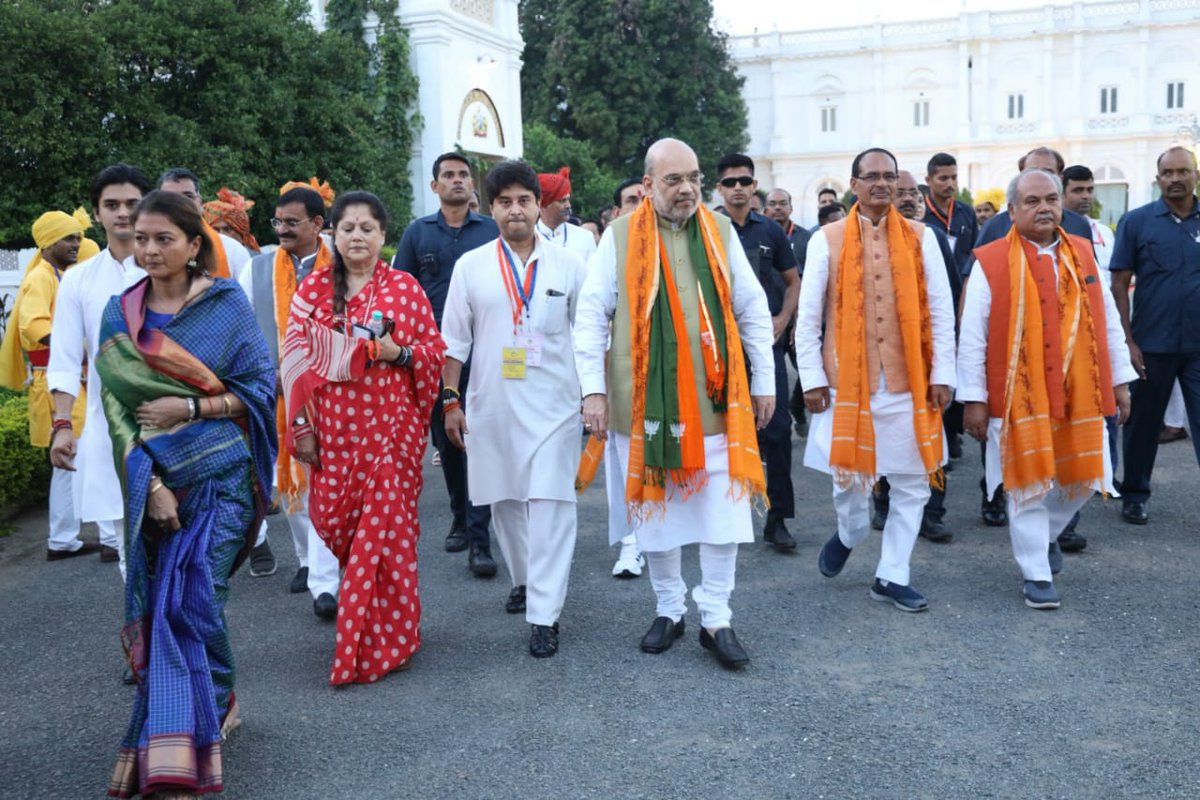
(189,392)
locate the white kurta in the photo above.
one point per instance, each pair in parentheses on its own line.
(972,362)
(576,239)
(238,258)
(523,440)
(709,516)
(895,440)
(1102,242)
(84,292)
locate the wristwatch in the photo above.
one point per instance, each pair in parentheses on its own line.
(300,421)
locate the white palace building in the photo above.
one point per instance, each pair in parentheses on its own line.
(1108,83)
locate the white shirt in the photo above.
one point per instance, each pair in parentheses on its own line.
(973,344)
(1102,242)
(237,256)
(810,322)
(82,295)
(576,239)
(524,433)
(598,304)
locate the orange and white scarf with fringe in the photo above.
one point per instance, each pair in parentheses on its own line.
(1035,449)
(645,270)
(290,475)
(852,451)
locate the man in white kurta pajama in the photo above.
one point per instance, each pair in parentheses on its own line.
(509,308)
(897,455)
(84,292)
(710,516)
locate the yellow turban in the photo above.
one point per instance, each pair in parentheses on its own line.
(54,225)
(320,187)
(993,196)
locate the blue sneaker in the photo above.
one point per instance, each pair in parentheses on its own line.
(904,598)
(833,557)
(1056,560)
(1041,594)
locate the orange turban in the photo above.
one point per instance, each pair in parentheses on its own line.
(555,185)
(230,208)
(320,187)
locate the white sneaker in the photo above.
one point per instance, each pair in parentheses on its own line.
(630,563)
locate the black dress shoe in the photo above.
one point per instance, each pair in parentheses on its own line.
(480,562)
(775,533)
(662,634)
(109,555)
(1071,542)
(543,640)
(724,645)
(1135,512)
(935,530)
(325,606)
(299,581)
(87,548)
(456,539)
(516,600)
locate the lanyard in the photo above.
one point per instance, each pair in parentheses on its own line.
(791,227)
(946,220)
(519,295)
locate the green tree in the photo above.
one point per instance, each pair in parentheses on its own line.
(245,92)
(592,186)
(620,75)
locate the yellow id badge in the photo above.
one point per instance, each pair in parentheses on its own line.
(512,363)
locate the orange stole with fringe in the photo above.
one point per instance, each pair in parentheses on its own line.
(290,476)
(220,259)
(1049,377)
(644,270)
(852,451)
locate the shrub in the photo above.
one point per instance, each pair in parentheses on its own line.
(24,469)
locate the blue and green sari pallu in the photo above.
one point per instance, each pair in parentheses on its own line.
(177,582)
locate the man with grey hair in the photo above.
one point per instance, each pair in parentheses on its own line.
(1041,360)
(674,282)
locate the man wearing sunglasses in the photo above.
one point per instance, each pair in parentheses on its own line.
(770,254)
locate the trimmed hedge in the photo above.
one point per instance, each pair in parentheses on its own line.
(24,469)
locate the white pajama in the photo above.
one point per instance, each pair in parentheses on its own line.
(324,574)
(537,541)
(64,522)
(909,494)
(718,566)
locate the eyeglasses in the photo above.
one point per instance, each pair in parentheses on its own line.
(674,179)
(876,177)
(290,224)
(741,180)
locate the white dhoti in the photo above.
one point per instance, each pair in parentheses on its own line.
(898,458)
(537,542)
(1034,522)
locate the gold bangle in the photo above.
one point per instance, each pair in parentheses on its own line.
(226,405)
(155,485)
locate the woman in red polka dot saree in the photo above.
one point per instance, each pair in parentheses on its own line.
(359,404)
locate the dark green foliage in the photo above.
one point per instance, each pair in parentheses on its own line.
(591,185)
(244,92)
(622,73)
(24,469)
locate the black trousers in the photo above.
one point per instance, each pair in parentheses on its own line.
(454,471)
(775,445)
(1150,398)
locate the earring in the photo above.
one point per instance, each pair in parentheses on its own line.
(191,265)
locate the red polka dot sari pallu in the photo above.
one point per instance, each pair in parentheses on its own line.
(371,420)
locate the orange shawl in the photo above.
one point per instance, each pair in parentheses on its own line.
(220,260)
(852,452)
(644,270)
(290,476)
(1035,449)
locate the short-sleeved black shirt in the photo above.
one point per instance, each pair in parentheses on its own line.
(769,252)
(430,248)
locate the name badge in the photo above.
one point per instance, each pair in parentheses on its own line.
(512,363)
(532,344)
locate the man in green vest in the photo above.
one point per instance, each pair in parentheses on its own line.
(686,310)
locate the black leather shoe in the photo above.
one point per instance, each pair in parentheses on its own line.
(325,606)
(775,533)
(109,555)
(995,510)
(1071,542)
(516,600)
(456,539)
(1135,512)
(724,645)
(935,530)
(299,581)
(662,634)
(543,640)
(86,549)
(480,562)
